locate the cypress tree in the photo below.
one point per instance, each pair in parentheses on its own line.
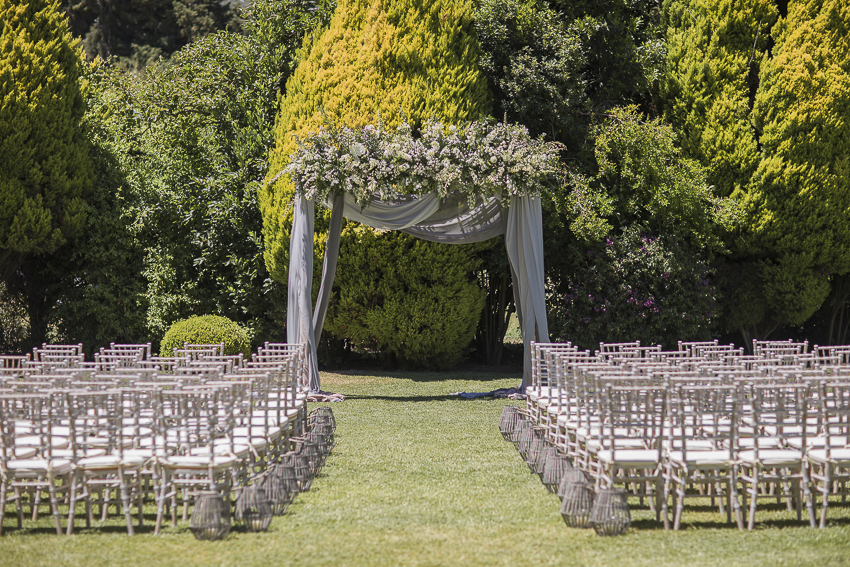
(713,51)
(44,164)
(798,206)
(400,60)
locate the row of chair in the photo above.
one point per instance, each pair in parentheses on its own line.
(703,420)
(132,427)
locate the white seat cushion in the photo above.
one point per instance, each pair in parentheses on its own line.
(840,456)
(702,459)
(772,457)
(637,458)
(111,462)
(37,467)
(196,462)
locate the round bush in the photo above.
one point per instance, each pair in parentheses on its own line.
(206,329)
(415,302)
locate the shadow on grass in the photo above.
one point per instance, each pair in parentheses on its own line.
(440,398)
(477,373)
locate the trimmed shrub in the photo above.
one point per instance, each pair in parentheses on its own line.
(416,304)
(206,329)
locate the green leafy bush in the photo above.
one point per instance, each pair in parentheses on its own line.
(636,287)
(415,302)
(206,329)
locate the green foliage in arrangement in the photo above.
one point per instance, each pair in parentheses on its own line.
(714,49)
(797,211)
(475,159)
(392,62)
(44,163)
(646,228)
(205,330)
(409,300)
(400,61)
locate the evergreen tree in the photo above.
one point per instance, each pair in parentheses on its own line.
(714,48)
(45,169)
(797,209)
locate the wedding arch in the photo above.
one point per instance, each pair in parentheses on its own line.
(457,185)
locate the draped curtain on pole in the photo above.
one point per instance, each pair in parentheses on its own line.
(451,221)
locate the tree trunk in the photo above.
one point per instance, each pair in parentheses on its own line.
(498,306)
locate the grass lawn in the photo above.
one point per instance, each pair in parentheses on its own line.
(419,477)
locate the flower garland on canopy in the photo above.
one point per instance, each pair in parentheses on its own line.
(480,158)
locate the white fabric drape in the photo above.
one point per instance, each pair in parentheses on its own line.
(524,242)
(452,221)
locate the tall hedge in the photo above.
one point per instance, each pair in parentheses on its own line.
(45,171)
(388,60)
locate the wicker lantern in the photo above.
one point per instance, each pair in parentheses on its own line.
(577,503)
(311,451)
(571,475)
(546,454)
(525,441)
(253,508)
(281,487)
(315,421)
(319,438)
(210,517)
(325,412)
(303,472)
(535,449)
(519,430)
(508,421)
(554,468)
(610,514)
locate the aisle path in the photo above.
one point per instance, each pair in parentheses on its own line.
(415,469)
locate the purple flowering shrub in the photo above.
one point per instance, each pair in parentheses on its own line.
(635,287)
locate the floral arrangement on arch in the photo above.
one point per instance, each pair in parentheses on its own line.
(481,158)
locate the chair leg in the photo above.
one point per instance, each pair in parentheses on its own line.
(125,501)
(807,496)
(751,520)
(680,501)
(665,496)
(3,489)
(72,504)
(161,498)
(826,482)
(54,504)
(140,499)
(35,502)
(19,506)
